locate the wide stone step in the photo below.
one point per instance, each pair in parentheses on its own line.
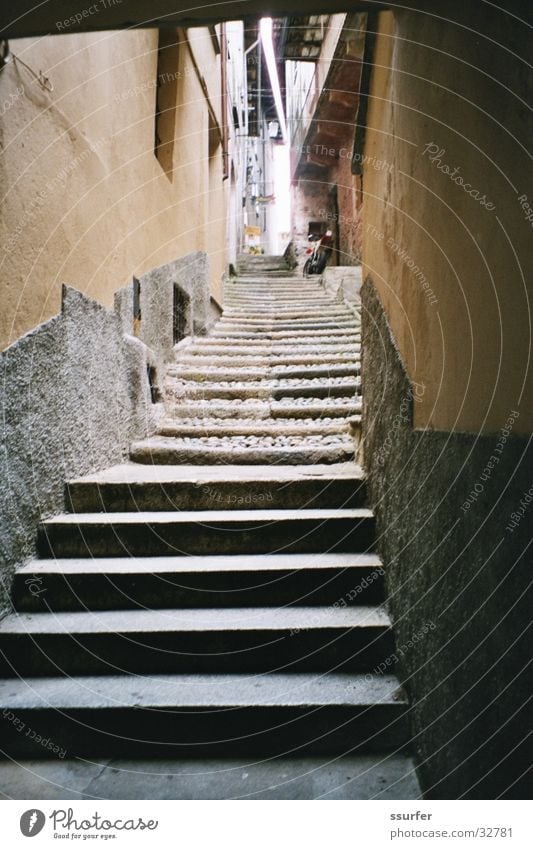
(258,373)
(136,487)
(258,280)
(206,532)
(285,337)
(318,325)
(274,353)
(246,450)
(279,322)
(288,301)
(271,289)
(290,334)
(123,583)
(266,313)
(202,360)
(287,408)
(263,389)
(283,347)
(222,640)
(203,715)
(250,427)
(252,319)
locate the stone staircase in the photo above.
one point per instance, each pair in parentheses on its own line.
(220,596)
(276,382)
(262,264)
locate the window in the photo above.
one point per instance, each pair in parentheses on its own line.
(168,73)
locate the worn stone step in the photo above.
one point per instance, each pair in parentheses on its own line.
(204,715)
(249,427)
(206,532)
(270,284)
(288,300)
(184,371)
(136,487)
(263,389)
(386,775)
(255,328)
(294,336)
(323,352)
(286,338)
(248,311)
(246,450)
(211,581)
(286,297)
(280,320)
(258,325)
(258,279)
(172,451)
(244,639)
(275,287)
(283,347)
(286,408)
(200,360)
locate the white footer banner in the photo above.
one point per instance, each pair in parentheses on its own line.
(266,824)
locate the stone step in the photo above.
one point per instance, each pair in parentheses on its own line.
(263,389)
(290,304)
(202,360)
(319,353)
(249,427)
(249,312)
(267,282)
(262,264)
(151,533)
(136,487)
(246,450)
(251,408)
(199,640)
(286,299)
(184,371)
(386,775)
(280,320)
(279,325)
(204,715)
(258,279)
(122,583)
(290,337)
(271,287)
(283,347)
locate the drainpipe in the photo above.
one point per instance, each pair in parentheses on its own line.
(251,47)
(224,99)
(364,95)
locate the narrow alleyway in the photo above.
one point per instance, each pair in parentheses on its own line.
(219,597)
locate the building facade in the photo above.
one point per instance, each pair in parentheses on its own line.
(123,155)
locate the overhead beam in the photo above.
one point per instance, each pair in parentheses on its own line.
(51,17)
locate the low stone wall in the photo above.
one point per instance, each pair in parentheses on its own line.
(454,534)
(343,281)
(74,394)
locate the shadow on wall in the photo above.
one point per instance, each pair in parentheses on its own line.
(76,391)
(458,566)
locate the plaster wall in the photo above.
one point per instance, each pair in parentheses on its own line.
(453,85)
(349,222)
(84,196)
